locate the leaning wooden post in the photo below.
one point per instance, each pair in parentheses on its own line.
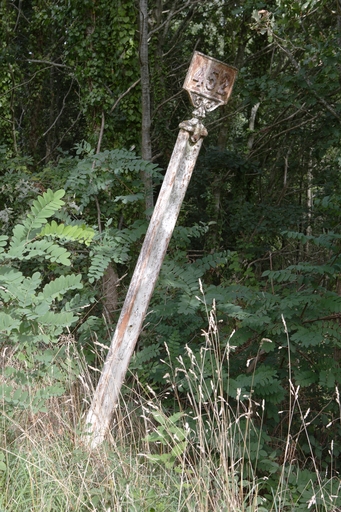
(209,83)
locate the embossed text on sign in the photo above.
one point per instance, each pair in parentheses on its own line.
(210,78)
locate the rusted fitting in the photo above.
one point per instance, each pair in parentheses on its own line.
(195,127)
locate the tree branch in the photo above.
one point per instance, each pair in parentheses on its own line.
(63,136)
(310,120)
(60,113)
(171,15)
(124,94)
(100,137)
(307,79)
(335,316)
(23,83)
(38,61)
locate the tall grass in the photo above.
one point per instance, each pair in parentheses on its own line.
(203,455)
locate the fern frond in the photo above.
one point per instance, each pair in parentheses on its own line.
(8,323)
(59,286)
(43,208)
(44,248)
(10,275)
(145,355)
(99,263)
(112,248)
(18,288)
(74,233)
(3,243)
(63,319)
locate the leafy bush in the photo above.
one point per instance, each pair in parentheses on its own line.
(37,305)
(286,330)
(113,177)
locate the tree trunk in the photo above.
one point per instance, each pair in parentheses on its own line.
(252,121)
(309,230)
(146,146)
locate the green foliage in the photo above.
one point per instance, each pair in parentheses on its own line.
(107,189)
(113,178)
(72,233)
(260,226)
(36,311)
(145,355)
(17,190)
(303,489)
(286,328)
(25,243)
(113,245)
(105,64)
(171,436)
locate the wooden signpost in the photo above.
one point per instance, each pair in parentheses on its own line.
(209,83)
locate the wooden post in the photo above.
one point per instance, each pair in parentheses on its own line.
(209,83)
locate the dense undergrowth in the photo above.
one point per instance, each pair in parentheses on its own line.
(211,455)
(232,400)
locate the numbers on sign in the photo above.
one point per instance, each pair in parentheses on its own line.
(216,82)
(199,77)
(211,80)
(224,83)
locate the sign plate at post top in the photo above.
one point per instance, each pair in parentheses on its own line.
(209,78)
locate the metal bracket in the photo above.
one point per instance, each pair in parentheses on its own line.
(195,127)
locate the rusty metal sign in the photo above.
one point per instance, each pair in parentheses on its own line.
(209,82)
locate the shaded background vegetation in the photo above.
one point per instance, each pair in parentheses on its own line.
(260,225)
